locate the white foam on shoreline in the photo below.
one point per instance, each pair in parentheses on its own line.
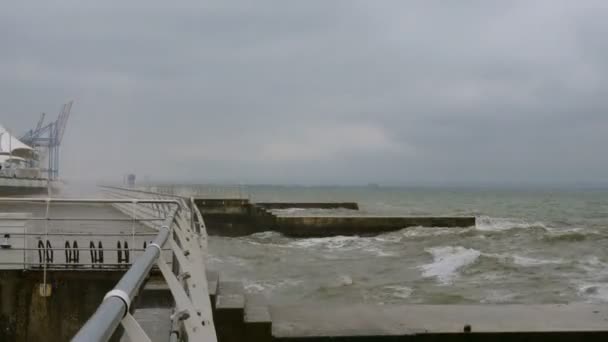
(447,261)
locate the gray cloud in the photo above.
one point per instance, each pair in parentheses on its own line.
(316,91)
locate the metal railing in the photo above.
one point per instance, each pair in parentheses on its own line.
(211,191)
(116,304)
(178,251)
(184,231)
(41,242)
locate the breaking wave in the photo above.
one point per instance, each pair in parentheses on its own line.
(259,286)
(509,260)
(424,232)
(594,292)
(573,235)
(346,243)
(335,242)
(532,262)
(398,291)
(266,235)
(494,224)
(447,261)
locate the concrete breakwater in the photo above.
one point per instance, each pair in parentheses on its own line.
(308,205)
(237,217)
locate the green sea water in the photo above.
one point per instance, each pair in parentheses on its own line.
(529,246)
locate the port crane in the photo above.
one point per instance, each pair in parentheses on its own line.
(46,139)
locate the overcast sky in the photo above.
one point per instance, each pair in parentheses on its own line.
(315,92)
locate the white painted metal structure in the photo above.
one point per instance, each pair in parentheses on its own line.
(179,251)
(188,242)
(9,145)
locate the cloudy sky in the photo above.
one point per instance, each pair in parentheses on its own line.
(315,92)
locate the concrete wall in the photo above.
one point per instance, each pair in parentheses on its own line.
(308,205)
(223,206)
(227,217)
(13,190)
(234,217)
(361,225)
(476,337)
(27,316)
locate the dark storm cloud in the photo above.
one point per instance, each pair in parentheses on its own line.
(316,91)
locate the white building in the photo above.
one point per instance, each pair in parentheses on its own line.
(11,146)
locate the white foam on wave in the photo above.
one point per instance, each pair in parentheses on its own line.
(378,251)
(259,286)
(289,211)
(265,235)
(486,223)
(496,296)
(531,262)
(593,261)
(335,242)
(388,238)
(402,292)
(254,287)
(523,261)
(343,243)
(343,280)
(447,261)
(594,292)
(414,232)
(594,266)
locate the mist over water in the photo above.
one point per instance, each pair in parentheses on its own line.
(527,247)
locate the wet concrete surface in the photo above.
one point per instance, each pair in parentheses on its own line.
(401,320)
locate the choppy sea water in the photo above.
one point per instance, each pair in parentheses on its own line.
(529,246)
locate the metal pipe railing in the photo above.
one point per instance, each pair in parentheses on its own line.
(117,302)
(145,192)
(86,201)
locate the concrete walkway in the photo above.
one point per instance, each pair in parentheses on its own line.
(403,320)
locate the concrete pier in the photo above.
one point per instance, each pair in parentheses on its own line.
(319,226)
(308,205)
(240,316)
(576,322)
(240,217)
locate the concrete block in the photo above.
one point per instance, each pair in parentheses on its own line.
(308,205)
(230,311)
(258,323)
(155,294)
(213,279)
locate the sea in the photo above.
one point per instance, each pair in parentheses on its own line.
(530,246)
